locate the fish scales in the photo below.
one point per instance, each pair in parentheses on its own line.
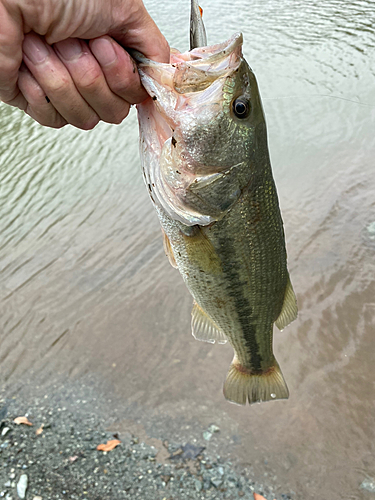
(229,291)
(206,164)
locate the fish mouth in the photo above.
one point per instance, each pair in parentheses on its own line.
(209,53)
(190,71)
(173,85)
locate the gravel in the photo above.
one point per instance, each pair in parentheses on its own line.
(62,461)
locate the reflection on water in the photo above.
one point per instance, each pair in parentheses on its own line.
(84,283)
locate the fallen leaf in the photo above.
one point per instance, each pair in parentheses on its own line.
(258,497)
(22,420)
(109,446)
(40,430)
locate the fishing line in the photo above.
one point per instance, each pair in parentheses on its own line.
(319,95)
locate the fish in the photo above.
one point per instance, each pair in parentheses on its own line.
(206,164)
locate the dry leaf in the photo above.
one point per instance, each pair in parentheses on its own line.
(22,420)
(40,430)
(109,446)
(258,497)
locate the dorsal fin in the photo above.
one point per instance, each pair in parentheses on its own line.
(289,311)
(203,328)
(168,250)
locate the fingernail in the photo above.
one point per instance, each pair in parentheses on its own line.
(69,49)
(103,51)
(35,49)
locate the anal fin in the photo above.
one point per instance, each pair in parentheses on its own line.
(203,328)
(168,250)
(289,311)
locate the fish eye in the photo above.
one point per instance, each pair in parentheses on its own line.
(241,107)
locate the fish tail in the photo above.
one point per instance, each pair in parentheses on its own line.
(241,385)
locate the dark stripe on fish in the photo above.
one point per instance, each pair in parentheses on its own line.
(243,308)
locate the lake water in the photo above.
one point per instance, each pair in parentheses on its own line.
(86,290)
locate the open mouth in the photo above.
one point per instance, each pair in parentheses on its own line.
(190,71)
(170,85)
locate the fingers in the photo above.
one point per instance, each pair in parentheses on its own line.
(38,106)
(10,58)
(83,85)
(119,69)
(56,82)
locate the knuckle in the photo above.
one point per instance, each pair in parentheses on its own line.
(91,81)
(51,120)
(58,87)
(120,116)
(117,87)
(89,124)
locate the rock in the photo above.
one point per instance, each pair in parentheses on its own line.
(5,431)
(213,428)
(368,484)
(371,230)
(198,484)
(3,412)
(207,435)
(22,486)
(220,471)
(8,484)
(37,498)
(217,481)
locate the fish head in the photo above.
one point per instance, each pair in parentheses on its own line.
(204,116)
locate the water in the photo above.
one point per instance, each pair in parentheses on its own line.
(85,288)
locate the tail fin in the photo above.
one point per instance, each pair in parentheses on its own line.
(241,385)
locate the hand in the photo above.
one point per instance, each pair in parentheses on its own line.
(84,82)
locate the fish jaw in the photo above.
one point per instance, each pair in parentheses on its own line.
(189,97)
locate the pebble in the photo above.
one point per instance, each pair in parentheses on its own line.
(5,431)
(369,485)
(198,484)
(217,481)
(371,230)
(207,435)
(37,498)
(22,486)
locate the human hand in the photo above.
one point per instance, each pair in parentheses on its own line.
(84,82)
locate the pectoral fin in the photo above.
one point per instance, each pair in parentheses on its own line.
(289,310)
(203,328)
(168,250)
(214,194)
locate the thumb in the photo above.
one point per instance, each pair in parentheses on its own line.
(143,35)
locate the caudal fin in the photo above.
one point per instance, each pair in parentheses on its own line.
(241,385)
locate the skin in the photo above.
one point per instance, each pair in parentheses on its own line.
(72,51)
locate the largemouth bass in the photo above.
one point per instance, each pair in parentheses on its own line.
(206,165)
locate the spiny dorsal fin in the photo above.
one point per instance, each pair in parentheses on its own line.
(203,328)
(289,310)
(168,250)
